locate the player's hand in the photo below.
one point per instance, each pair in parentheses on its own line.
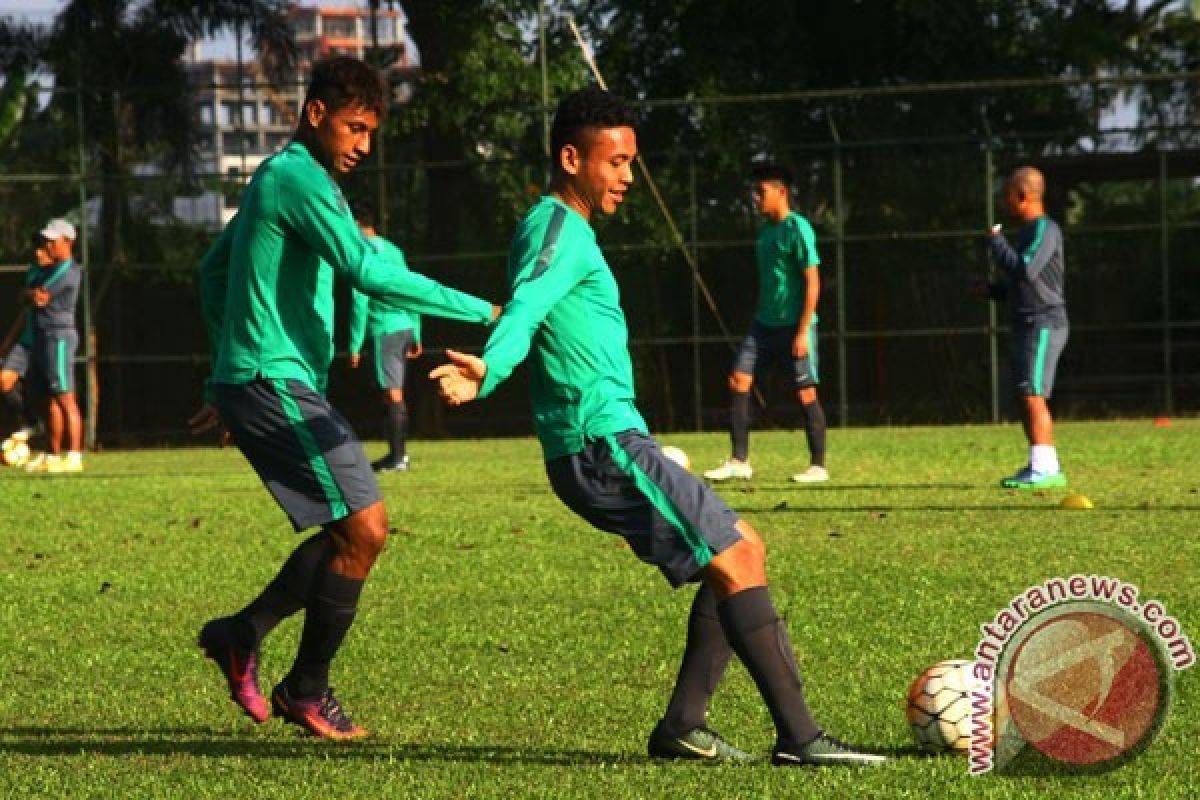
(800,346)
(458,382)
(496,312)
(207,419)
(995,229)
(354,360)
(39,297)
(415,350)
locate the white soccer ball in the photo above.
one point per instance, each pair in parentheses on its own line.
(678,456)
(939,707)
(15,453)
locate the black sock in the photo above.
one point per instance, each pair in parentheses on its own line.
(327,618)
(397,430)
(760,640)
(739,424)
(705,657)
(285,595)
(814,431)
(14,398)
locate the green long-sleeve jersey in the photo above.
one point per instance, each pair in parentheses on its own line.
(370,317)
(565,314)
(266,285)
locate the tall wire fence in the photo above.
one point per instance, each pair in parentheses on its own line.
(899,220)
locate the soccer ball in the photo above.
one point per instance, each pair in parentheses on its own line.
(678,456)
(15,453)
(939,707)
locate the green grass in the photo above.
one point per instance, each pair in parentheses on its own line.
(504,649)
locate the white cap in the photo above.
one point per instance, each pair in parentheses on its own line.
(56,229)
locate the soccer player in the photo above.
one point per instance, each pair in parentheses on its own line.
(52,300)
(784,330)
(565,316)
(15,365)
(395,339)
(267,294)
(1033,287)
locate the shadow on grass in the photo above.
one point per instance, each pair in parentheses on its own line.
(210,743)
(725,487)
(786,507)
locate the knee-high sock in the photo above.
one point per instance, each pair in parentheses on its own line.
(705,657)
(14,398)
(760,640)
(814,431)
(739,424)
(286,594)
(397,429)
(328,616)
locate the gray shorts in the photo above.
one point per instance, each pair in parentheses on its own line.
(54,360)
(1035,353)
(301,447)
(624,485)
(390,352)
(17,360)
(767,345)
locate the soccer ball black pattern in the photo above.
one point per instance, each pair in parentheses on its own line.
(939,707)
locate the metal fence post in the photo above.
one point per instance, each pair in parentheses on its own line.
(839,234)
(1165,263)
(89,329)
(989,170)
(697,384)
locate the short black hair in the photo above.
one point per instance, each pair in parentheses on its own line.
(343,81)
(772,172)
(582,109)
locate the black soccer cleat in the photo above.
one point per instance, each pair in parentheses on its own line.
(698,744)
(823,751)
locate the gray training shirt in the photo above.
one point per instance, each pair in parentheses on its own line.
(63,283)
(1034,272)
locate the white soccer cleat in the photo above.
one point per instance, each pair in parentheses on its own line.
(731,468)
(71,462)
(813,474)
(39,462)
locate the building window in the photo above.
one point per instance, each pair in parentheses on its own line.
(206,115)
(341,27)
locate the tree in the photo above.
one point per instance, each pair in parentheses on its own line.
(124,58)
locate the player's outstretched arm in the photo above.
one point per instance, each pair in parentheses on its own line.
(458,382)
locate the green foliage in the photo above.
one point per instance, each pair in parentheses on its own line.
(506,650)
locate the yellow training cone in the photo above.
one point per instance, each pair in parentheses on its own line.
(1076,502)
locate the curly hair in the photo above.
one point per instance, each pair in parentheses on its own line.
(588,109)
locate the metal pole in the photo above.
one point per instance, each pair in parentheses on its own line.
(380,147)
(241,99)
(989,169)
(697,383)
(1165,263)
(89,330)
(545,78)
(840,261)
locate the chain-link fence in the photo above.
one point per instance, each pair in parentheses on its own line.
(899,220)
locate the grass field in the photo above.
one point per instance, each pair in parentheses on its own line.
(504,649)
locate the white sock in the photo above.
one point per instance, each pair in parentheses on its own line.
(1043,458)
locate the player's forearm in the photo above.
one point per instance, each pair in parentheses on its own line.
(508,345)
(399,287)
(1004,256)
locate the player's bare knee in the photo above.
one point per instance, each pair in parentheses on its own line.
(740,382)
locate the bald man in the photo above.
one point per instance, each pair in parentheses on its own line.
(1032,267)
